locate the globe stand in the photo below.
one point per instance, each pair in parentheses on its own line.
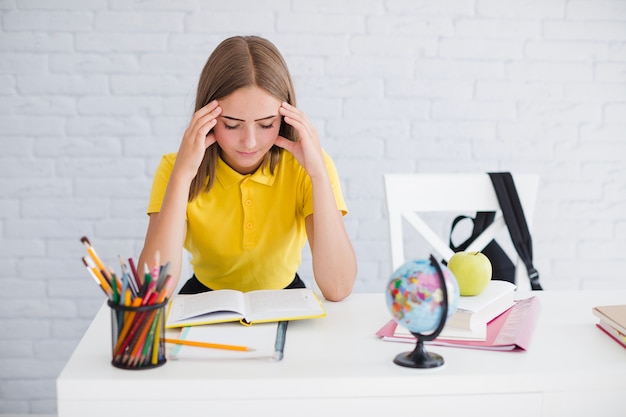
(419,357)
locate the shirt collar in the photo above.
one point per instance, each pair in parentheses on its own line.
(228,177)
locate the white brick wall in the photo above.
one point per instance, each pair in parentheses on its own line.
(92,92)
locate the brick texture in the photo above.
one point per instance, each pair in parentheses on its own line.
(92,92)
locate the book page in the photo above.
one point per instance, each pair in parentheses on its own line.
(283,304)
(494,290)
(191,306)
(615,315)
(451,333)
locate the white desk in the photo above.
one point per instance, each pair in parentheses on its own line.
(336,365)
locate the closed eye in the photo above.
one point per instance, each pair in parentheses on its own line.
(266,125)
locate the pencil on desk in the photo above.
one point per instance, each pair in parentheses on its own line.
(207,345)
(281,335)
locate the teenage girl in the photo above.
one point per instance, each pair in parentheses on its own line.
(249,184)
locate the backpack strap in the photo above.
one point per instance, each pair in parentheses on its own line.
(516,222)
(482,220)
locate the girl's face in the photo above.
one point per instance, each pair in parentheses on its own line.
(247,127)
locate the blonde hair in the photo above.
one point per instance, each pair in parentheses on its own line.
(238,62)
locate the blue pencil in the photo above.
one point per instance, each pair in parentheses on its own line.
(281,335)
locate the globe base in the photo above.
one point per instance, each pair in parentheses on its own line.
(419,358)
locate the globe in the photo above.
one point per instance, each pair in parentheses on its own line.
(414,295)
(415,298)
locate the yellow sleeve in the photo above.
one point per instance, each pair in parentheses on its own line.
(160,181)
(335,184)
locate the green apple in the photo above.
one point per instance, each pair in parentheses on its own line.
(472,271)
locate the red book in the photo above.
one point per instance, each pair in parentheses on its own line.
(615,334)
(614,316)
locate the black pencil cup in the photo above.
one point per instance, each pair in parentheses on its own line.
(138,335)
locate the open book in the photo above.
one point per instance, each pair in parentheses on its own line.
(259,306)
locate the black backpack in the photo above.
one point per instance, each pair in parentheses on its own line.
(503,267)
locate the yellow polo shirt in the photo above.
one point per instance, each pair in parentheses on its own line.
(248,231)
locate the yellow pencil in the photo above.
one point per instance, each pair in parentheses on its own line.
(157,339)
(95,274)
(92,253)
(208,345)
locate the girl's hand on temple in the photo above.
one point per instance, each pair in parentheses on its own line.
(197,138)
(333,258)
(307,150)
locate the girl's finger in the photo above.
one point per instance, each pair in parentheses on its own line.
(297,119)
(205,122)
(288,110)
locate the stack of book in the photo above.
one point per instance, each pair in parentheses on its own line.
(491,320)
(469,322)
(612,321)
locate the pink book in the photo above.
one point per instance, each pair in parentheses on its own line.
(510,331)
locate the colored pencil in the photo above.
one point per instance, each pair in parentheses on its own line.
(92,253)
(207,345)
(97,275)
(128,323)
(128,279)
(157,340)
(137,335)
(135,275)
